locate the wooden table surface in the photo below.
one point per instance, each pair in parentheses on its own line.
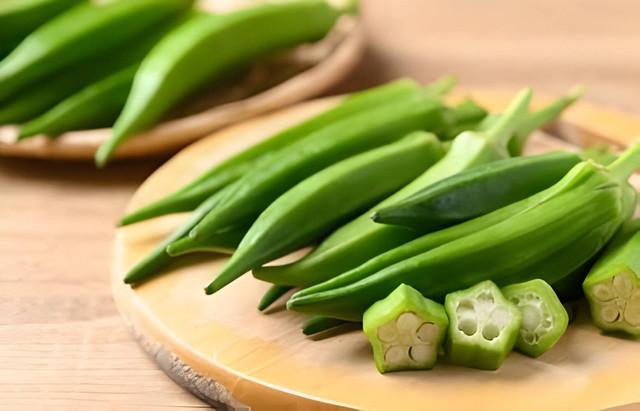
(62,343)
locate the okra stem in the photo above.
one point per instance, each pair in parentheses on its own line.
(508,123)
(622,168)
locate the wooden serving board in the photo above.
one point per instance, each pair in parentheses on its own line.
(227,353)
(299,74)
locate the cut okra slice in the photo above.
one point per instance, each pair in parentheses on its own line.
(406,330)
(544,319)
(483,327)
(612,287)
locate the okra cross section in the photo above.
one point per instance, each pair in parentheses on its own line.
(483,327)
(544,319)
(406,330)
(612,287)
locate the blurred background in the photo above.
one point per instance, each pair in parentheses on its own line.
(548,45)
(61,338)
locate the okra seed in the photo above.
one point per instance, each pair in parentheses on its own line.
(486,297)
(603,293)
(428,333)
(468,326)
(491,331)
(501,317)
(388,332)
(548,321)
(532,296)
(421,353)
(610,313)
(408,322)
(530,317)
(394,354)
(465,308)
(632,314)
(623,284)
(528,337)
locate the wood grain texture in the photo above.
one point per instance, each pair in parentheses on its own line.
(62,342)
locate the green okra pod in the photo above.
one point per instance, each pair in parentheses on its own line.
(272,295)
(477,191)
(317,205)
(205,49)
(37,99)
(81,34)
(544,319)
(220,175)
(362,239)
(612,287)
(572,221)
(316,325)
(428,242)
(18,18)
(252,194)
(483,327)
(225,241)
(97,105)
(158,259)
(406,330)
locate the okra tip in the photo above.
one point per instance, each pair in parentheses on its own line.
(441,86)
(103,154)
(576,92)
(346,6)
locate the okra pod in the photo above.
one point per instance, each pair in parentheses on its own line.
(327,199)
(183,61)
(252,194)
(316,325)
(572,221)
(428,242)
(406,330)
(80,34)
(37,99)
(612,287)
(18,18)
(362,239)
(483,327)
(544,319)
(207,184)
(97,105)
(272,295)
(477,191)
(158,259)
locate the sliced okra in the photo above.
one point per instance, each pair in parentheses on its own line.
(612,287)
(544,319)
(483,327)
(406,330)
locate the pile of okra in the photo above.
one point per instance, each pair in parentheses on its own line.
(425,223)
(80,64)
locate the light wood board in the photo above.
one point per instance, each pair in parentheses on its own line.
(226,352)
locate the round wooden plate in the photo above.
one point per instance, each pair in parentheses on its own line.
(224,351)
(302,73)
